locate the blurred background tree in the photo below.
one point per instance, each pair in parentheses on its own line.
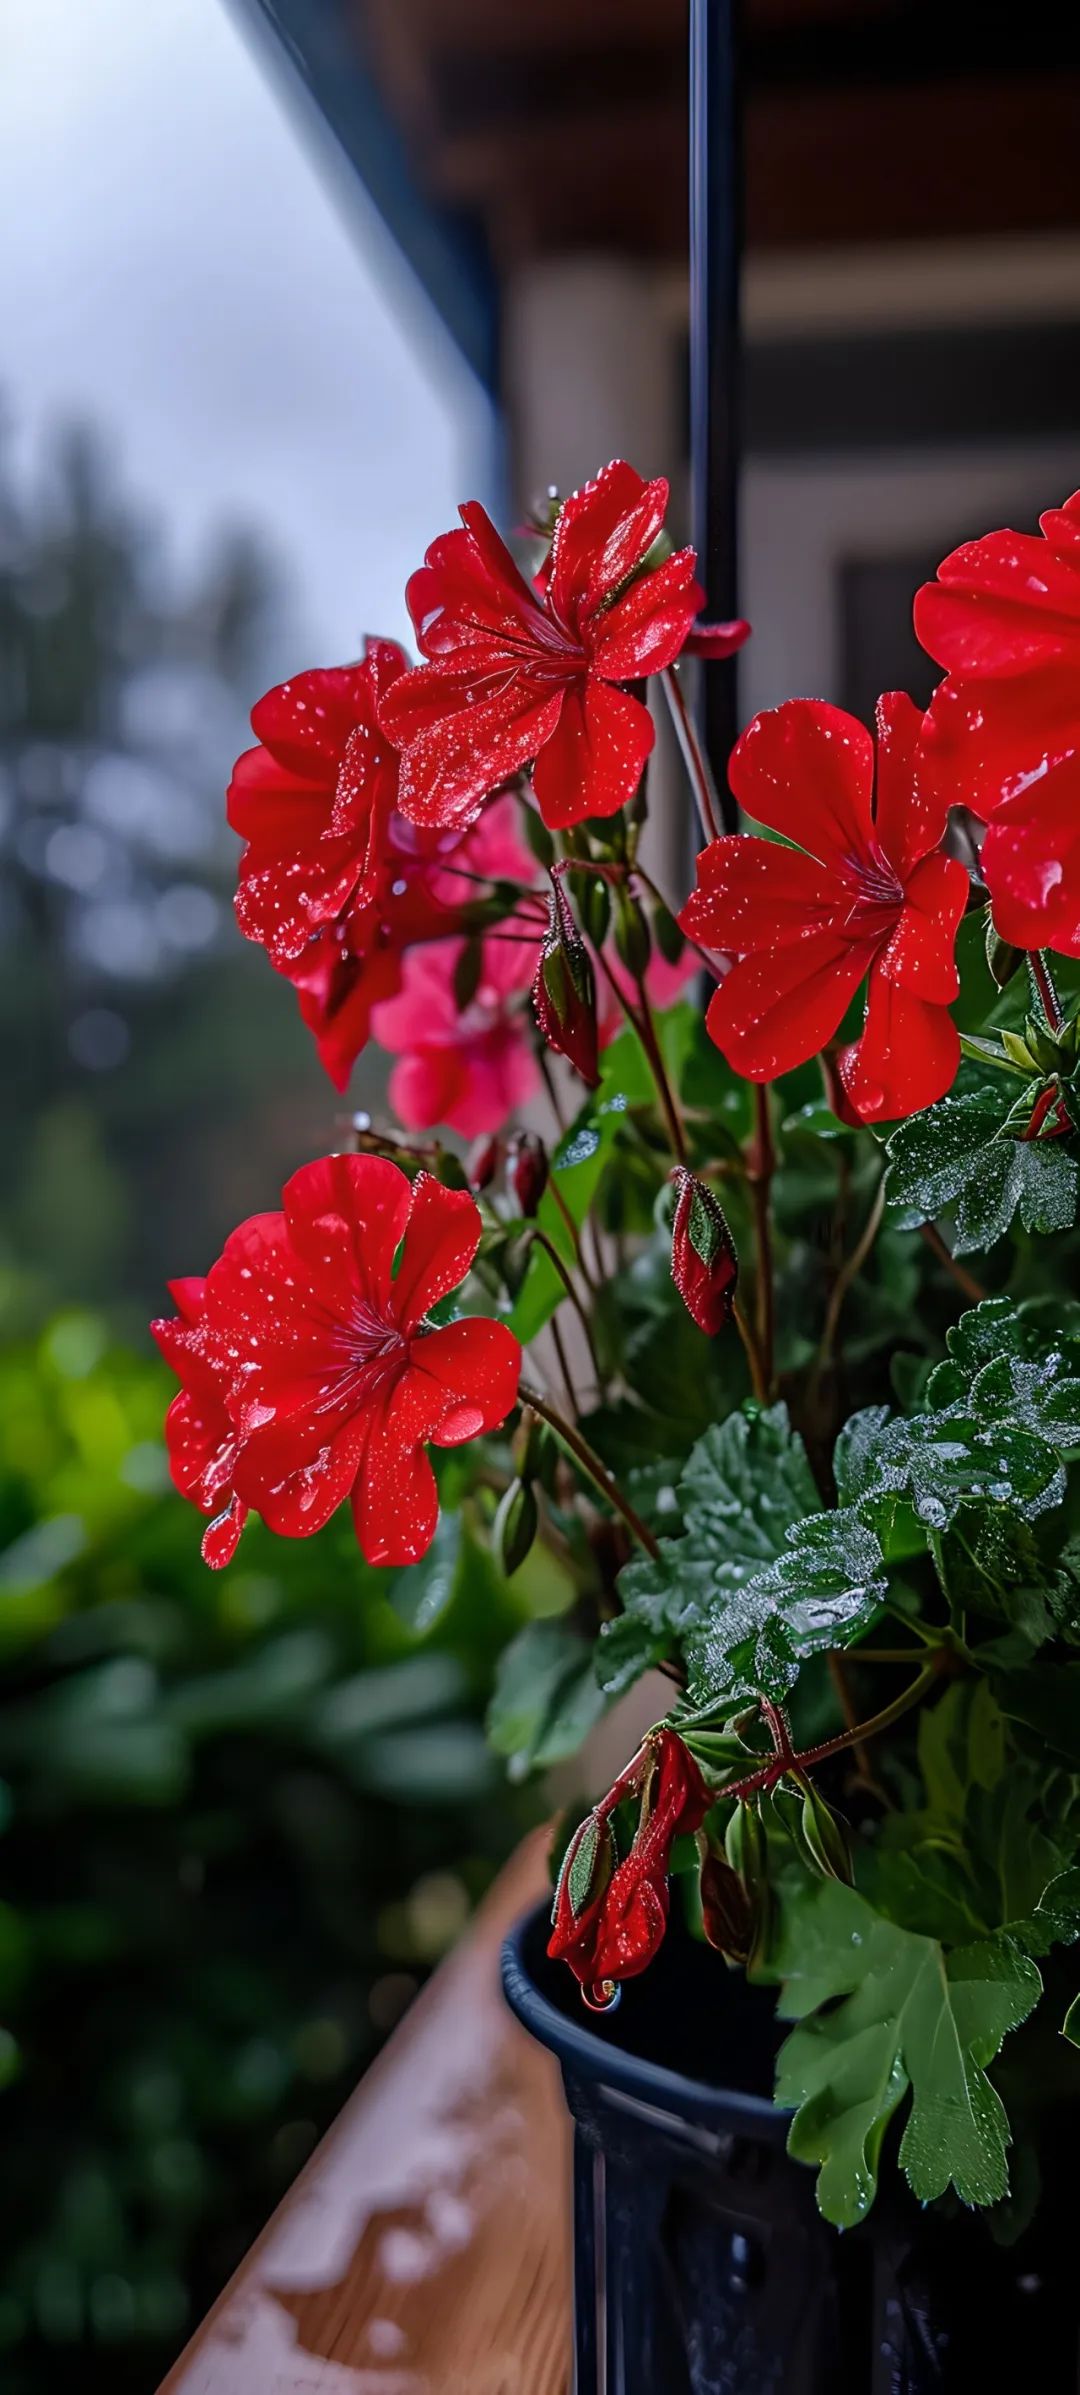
(240,1817)
(122,701)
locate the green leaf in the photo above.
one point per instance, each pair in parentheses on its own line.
(997,1414)
(1056,1917)
(855,1453)
(1008,1363)
(627,1648)
(746,1484)
(824,1590)
(959,1155)
(546,1698)
(904,2020)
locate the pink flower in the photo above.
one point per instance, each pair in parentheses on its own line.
(344,974)
(664,984)
(471,1066)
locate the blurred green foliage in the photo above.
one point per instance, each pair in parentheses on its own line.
(138,1029)
(240,1817)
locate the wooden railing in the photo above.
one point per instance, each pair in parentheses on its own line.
(425,2248)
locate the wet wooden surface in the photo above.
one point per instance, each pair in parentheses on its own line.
(425,2248)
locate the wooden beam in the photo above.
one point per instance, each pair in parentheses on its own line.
(426,2244)
(824,167)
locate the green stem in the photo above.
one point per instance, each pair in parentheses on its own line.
(761,1167)
(541,1239)
(591,1464)
(973,1290)
(757,1782)
(849,1272)
(669,1105)
(693,755)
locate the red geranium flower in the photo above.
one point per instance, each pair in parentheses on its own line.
(311,1372)
(334,882)
(1003,732)
(314,802)
(866,892)
(609,1917)
(514,673)
(467,1065)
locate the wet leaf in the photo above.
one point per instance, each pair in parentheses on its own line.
(823,1590)
(746,1484)
(907,2023)
(958,1155)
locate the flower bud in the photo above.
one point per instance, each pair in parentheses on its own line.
(564,991)
(482,1162)
(666,933)
(824,1835)
(527,1171)
(725,1907)
(610,1917)
(633,941)
(704,1265)
(594,902)
(1003,960)
(516,1524)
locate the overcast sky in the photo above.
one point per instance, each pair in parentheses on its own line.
(182,263)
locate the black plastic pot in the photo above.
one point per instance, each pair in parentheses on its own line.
(701,2263)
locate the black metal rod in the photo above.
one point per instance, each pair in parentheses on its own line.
(716,208)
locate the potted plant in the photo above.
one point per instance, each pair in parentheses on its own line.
(761,1375)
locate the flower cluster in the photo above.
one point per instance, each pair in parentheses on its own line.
(744,1416)
(445,858)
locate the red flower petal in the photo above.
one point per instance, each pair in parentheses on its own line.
(466,751)
(603,533)
(285,904)
(338,994)
(297,1473)
(594,757)
(441,1240)
(717,640)
(469,587)
(753,894)
(919,953)
(1001,605)
(779,1006)
(647,628)
(984,742)
(807,770)
(1031,863)
(907,1058)
(274,805)
(395,1500)
(305,722)
(476,1364)
(1061,527)
(909,819)
(346,1217)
